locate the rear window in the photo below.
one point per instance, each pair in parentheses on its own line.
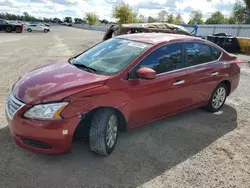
(198,53)
(216,53)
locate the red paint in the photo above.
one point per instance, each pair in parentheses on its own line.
(140,101)
(146,73)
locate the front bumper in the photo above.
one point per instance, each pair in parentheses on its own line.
(46,137)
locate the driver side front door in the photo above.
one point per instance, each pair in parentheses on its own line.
(164,95)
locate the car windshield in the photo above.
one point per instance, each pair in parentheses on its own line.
(111,56)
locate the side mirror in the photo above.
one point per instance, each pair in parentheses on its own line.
(146,73)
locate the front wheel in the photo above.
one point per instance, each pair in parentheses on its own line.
(8,29)
(29,30)
(218,98)
(103,131)
(46,30)
(19,30)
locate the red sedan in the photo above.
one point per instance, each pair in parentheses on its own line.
(119,84)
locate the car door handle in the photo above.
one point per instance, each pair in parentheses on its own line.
(179,82)
(214,74)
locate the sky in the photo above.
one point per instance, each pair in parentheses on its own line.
(78,8)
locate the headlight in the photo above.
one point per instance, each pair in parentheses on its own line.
(46,111)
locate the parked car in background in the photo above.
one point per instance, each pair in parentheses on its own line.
(9,27)
(37,27)
(119,84)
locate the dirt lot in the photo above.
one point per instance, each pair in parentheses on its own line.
(192,149)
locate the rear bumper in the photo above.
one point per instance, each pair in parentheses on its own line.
(46,137)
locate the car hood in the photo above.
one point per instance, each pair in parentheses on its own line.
(54,82)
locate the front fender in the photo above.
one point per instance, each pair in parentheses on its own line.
(84,102)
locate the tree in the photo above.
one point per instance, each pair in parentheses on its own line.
(78,20)
(196,18)
(162,15)
(104,21)
(124,14)
(217,18)
(178,20)
(68,19)
(241,13)
(92,18)
(247,2)
(152,20)
(170,18)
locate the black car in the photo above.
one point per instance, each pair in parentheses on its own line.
(9,27)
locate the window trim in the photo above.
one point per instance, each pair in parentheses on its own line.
(210,47)
(165,44)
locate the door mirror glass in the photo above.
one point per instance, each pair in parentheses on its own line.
(146,73)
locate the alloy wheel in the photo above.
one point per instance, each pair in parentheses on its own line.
(111,132)
(219,97)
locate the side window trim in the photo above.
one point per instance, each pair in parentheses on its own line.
(185,52)
(165,44)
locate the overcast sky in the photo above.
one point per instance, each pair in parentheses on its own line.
(78,8)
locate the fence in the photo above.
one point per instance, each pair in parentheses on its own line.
(203,30)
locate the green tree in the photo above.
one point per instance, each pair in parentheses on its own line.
(247,2)
(170,18)
(178,20)
(124,14)
(162,15)
(217,18)
(196,17)
(152,20)
(92,18)
(68,19)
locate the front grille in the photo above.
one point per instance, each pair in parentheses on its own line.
(35,143)
(13,105)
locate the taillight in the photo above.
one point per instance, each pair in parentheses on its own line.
(238,62)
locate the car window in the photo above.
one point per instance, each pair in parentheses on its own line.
(198,53)
(216,53)
(1,21)
(164,59)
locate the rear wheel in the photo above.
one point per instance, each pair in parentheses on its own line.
(218,98)
(8,29)
(29,30)
(18,29)
(46,30)
(103,131)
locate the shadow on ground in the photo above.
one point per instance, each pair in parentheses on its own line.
(140,156)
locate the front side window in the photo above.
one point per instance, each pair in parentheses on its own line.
(198,53)
(111,56)
(164,59)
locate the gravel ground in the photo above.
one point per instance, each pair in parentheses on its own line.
(192,149)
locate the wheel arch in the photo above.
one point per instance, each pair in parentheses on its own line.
(82,129)
(228,84)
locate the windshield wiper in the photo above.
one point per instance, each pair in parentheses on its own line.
(90,69)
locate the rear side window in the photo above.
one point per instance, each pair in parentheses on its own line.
(198,53)
(216,53)
(165,59)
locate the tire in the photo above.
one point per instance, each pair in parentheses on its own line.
(45,30)
(29,30)
(102,135)
(215,104)
(8,29)
(18,29)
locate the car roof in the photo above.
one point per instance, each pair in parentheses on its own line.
(155,38)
